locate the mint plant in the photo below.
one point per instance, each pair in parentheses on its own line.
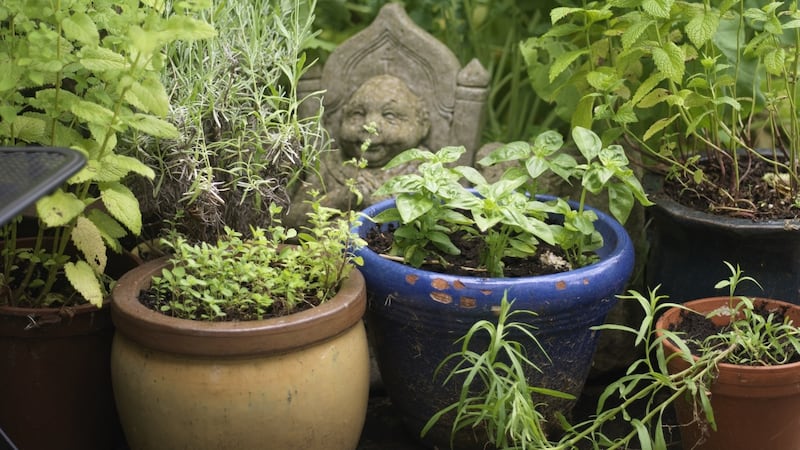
(680,80)
(81,74)
(433,203)
(260,276)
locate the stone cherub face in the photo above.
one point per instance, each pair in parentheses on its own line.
(400,118)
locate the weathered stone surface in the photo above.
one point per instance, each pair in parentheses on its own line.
(411,87)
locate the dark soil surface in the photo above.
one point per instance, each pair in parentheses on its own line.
(468,262)
(696,327)
(757,199)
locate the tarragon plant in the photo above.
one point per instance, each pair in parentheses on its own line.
(496,394)
(79,74)
(432,204)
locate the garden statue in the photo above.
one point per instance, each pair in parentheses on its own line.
(394,86)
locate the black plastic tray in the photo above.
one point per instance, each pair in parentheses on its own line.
(29,173)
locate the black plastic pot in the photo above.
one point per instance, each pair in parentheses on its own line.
(688,247)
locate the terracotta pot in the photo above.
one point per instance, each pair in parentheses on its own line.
(755,407)
(295,382)
(55,381)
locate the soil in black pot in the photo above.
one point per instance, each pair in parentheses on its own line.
(756,199)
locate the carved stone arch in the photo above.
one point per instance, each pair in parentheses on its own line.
(394,45)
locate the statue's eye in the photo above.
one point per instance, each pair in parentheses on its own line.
(355,113)
(390,116)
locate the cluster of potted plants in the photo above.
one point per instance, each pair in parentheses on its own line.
(92,78)
(728,365)
(84,77)
(706,94)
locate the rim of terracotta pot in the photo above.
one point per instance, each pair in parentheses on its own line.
(734,379)
(654,186)
(27,320)
(198,338)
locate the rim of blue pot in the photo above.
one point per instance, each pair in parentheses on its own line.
(617,255)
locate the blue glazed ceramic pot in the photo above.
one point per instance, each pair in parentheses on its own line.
(415,316)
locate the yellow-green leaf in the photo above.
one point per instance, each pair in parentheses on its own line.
(100,59)
(27,129)
(659,125)
(563,61)
(59,208)
(89,241)
(149,96)
(658,8)
(109,228)
(83,279)
(81,28)
(153,126)
(670,61)
(775,60)
(122,205)
(92,112)
(187,29)
(702,27)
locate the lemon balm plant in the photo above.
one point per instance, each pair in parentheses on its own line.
(76,74)
(80,74)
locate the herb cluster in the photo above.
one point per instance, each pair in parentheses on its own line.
(261,276)
(682,81)
(495,396)
(80,74)
(505,215)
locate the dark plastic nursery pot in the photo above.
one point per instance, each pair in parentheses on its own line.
(415,317)
(687,247)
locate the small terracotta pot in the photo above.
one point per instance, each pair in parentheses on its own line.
(755,407)
(294,382)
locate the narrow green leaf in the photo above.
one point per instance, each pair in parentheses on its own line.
(659,125)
